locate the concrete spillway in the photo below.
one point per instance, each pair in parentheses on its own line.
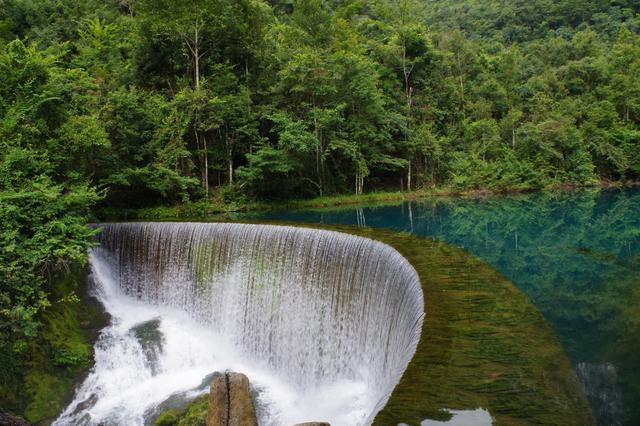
(323,323)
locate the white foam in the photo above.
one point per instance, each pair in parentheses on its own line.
(299,365)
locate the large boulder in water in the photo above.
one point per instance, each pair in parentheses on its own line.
(230,402)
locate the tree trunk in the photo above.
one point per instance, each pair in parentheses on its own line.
(206,166)
(196,55)
(194,48)
(461,84)
(408,91)
(319,150)
(321,186)
(204,172)
(359,183)
(318,159)
(229,144)
(513,137)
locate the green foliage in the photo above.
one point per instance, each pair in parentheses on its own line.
(46,142)
(62,351)
(44,395)
(43,218)
(519,21)
(43,229)
(194,414)
(160,102)
(167,418)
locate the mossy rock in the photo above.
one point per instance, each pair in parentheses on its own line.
(194,414)
(60,355)
(230,401)
(167,418)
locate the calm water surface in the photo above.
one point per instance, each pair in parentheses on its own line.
(577,256)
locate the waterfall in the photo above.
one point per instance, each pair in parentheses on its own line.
(323,323)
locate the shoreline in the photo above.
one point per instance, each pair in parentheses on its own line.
(216,208)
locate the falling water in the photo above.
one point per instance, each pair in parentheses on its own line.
(323,323)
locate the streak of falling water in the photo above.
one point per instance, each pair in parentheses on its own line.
(323,323)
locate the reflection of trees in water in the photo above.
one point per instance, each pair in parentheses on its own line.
(360,219)
(576,255)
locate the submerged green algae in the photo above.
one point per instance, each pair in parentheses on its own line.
(483,344)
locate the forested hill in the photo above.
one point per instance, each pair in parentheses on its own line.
(148,102)
(519,21)
(161,101)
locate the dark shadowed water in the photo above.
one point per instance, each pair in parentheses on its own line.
(575,254)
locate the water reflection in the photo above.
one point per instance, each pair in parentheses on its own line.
(478,417)
(600,382)
(577,255)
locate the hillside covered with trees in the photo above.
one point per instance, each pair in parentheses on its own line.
(134,103)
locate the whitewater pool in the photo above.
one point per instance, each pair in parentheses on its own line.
(575,254)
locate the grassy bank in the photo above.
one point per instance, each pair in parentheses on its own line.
(42,382)
(218,208)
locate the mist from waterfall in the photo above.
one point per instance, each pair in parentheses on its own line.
(322,323)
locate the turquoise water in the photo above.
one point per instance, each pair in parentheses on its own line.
(575,254)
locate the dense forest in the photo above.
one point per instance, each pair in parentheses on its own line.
(133,103)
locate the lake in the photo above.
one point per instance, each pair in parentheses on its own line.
(575,254)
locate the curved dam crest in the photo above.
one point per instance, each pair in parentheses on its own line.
(316,317)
